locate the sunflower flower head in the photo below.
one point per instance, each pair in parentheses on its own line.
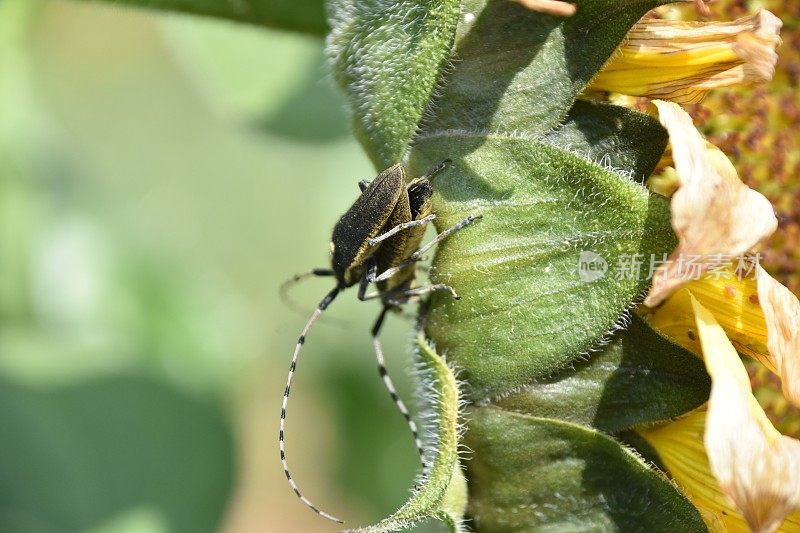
(727,456)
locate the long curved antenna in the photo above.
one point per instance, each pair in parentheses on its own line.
(387,381)
(441,165)
(314,316)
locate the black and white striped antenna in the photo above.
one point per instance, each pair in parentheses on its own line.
(292,368)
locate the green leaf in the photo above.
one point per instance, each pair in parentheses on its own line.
(632,439)
(111,451)
(306,16)
(612,136)
(640,377)
(525,311)
(387,57)
(519,69)
(537,474)
(440,493)
(278,83)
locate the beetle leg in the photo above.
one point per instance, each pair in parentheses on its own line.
(372,296)
(319,272)
(443,235)
(367,278)
(297,278)
(400,227)
(387,381)
(416,256)
(401,297)
(419,291)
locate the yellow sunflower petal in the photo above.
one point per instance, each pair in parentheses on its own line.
(732,298)
(781,311)
(675,319)
(735,304)
(756,466)
(681,61)
(712,213)
(679,444)
(664,183)
(760,316)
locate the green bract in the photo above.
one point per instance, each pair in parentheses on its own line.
(639,377)
(532,474)
(387,57)
(526,312)
(442,491)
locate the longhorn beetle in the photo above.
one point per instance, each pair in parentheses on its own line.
(377,240)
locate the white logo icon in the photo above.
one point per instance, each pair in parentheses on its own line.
(591,267)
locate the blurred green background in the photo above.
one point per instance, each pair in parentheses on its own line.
(160,176)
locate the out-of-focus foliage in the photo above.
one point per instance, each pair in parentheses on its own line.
(305,16)
(92,454)
(148,213)
(232,66)
(83,456)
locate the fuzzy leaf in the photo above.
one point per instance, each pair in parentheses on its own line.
(525,310)
(519,69)
(441,493)
(306,16)
(387,57)
(551,475)
(612,136)
(639,378)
